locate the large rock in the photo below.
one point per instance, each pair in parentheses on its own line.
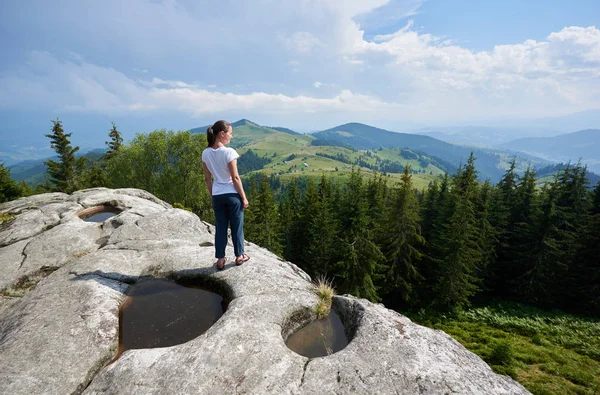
(63,281)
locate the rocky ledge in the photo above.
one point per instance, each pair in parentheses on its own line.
(63,280)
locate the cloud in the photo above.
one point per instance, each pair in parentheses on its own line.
(302,42)
(267,57)
(79,86)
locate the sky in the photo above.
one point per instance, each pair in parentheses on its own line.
(304,64)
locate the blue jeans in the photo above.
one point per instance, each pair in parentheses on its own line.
(228,210)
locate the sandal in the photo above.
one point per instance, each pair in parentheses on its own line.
(221,263)
(241,259)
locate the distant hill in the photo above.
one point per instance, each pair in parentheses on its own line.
(482,135)
(489,164)
(584,145)
(274,150)
(284,130)
(33,171)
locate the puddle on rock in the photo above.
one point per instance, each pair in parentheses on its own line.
(319,338)
(99,214)
(162,313)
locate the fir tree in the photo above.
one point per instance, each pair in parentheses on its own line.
(360,264)
(488,235)
(587,272)
(115,143)
(441,207)
(96,176)
(322,232)
(540,269)
(308,211)
(430,209)
(403,240)
(502,218)
(524,241)
(460,245)
(262,226)
(66,173)
(289,213)
(9,189)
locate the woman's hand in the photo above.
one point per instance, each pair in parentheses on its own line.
(245,203)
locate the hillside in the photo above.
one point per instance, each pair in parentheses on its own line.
(584,145)
(490,164)
(33,171)
(290,155)
(283,152)
(482,135)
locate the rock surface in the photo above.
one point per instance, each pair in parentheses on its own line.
(63,281)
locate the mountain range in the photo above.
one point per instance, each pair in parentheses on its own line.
(583,145)
(284,151)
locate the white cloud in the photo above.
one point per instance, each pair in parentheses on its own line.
(302,42)
(266,57)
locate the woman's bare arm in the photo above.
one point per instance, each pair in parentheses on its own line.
(207,179)
(237,181)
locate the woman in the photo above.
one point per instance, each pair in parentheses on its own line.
(225,186)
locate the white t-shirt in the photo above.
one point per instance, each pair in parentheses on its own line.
(216,160)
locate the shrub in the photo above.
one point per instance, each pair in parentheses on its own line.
(502,354)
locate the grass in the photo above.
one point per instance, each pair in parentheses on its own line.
(548,352)
(278,146)
(6,217)
(325,293)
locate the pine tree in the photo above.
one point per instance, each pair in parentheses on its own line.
(488,235)
(307,213)
(115,143)
(502,217)
(290,221)
(262,224)
(572,205)
(360,264)
(439,207)
(540,269)
(587,272)
(522,249)
(9,189)
(96,176)
(403,241)
(429,209)
(65,175)
(460,248)
(322,232)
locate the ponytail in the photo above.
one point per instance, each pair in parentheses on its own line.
(213,131)
(210,136)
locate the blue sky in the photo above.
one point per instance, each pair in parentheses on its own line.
(303,64)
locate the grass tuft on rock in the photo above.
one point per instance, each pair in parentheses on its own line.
(325,292)
(6,217)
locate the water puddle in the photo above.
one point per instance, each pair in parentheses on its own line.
(319,338)
(99,214)
(162,313)
(100,217)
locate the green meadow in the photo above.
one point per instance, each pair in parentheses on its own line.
(547,351)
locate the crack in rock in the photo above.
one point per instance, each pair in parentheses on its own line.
(304,372)
(92,373)
(23,254)
(129,280)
